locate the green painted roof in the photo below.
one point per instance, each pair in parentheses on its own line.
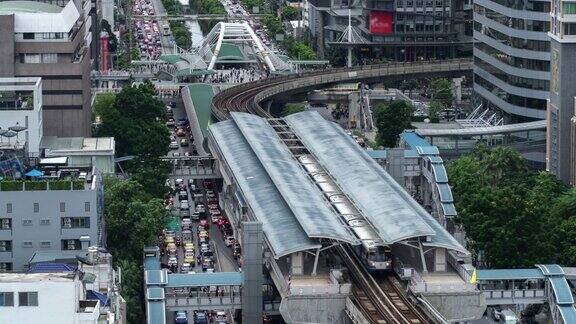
(171,58)
(28,6)
(228,50)
(201,95)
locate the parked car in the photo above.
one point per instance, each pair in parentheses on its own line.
(174,145)
(184,142)
(180,317)
(214,218)
(183,195)
(200,318)
(230,240)
(180,132)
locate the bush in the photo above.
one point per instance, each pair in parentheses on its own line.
(35,185)
(59,185)
(11,185)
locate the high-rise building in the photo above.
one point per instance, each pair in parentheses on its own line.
(49,41)
(404,30)
(561,139)
(512,57)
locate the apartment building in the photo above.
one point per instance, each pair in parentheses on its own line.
(61,212)
(402,30)
(512,57)
(561,136)
(48,41)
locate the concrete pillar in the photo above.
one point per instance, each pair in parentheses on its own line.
(458,89)
(439,259)
(252,268)
(297,263)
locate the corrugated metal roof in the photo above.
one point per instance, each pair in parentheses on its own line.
(490,130)
(508,274)
(568,313)
(282,230)
(561,290)
(306,201)
(393,212)
(205,279)
(413,140)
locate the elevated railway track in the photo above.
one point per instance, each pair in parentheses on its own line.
(379,297)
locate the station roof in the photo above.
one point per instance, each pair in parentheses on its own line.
(28,6)
(230,51)
(568,313)
(489,130)
(201,95)
(392,211)
(177,280)
(313,212)
(508,274)
(282,230)
(413,140)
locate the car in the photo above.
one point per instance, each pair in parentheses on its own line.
(168,239)
(214,218)
(204,248)
(200,208)
(213,206)
(189,247)
(170,122)
(186,223)
(172,261)
(230,240)
(215,212)
(212,200)
(203,234)
(180,317)
(200,318)
(176,154)
(185,267)
(184,142)
(183,195)
(221,317)
(204,223)
(180,132)
(171,248)
(173,145)
(179,182)
(184,205)
(195,216)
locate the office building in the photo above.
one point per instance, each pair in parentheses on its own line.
(48,41)
(561,138)
(512,57)
(60,212)
(403,30)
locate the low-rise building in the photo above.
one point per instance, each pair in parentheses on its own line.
(60,212)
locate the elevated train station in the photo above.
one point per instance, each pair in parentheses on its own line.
(316,191)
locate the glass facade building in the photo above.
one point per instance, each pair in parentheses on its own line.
(512,57)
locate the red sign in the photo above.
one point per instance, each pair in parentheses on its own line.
(381,22)
(104,52)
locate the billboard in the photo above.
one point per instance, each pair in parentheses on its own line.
(381,22)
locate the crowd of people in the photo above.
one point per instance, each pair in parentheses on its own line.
(236,76)
(148,34)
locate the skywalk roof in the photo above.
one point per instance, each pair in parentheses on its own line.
(383,202)
(313,212)
(281,228)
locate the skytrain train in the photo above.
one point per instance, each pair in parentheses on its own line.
(374,254)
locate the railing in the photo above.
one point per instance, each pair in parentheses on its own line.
(539,294)
(42,185)
(418,285)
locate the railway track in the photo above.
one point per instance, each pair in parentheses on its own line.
(379,297)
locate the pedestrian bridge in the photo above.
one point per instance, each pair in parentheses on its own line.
(545,283)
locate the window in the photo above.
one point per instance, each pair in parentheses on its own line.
(68,245)
(26,222)
(62,207)
(27,299)
(50,58)
(569,8)
(9,208)
(75,222)
(45,244)
(5,246)
(27,244)
(30,58)
(28,36)
(44,222)
(5,223)
(6,299)
(87,206)
(5,266)
(36,207)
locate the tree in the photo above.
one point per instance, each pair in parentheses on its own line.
(289,13)
(504,207)
(112,40)
(392,119)
(410,85)
(434,109)
(136,121)
(273,24)
(442,91)
(292,108)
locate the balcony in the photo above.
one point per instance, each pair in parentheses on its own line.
(88,311)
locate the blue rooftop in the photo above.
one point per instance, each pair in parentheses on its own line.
(414,140)
(151,263)
(377,154)
(562,291)
(156,312)
(568,313)
(551,269)
(155,277)
(51,267)
(205,279)
(508,274)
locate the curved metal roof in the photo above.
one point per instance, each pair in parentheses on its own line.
(489,130)
(306,201)
(281,228)
(383,202)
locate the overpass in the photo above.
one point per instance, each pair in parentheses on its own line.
(249,97)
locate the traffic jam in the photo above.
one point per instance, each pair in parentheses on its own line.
(198,237)
(147,32)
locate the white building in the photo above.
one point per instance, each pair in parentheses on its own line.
(21,105)
(47,298)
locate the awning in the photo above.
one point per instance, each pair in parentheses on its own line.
(34,173)
(94,295)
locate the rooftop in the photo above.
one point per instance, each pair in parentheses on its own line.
(7,7)
(201,95)
(35,277)
(55,145)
